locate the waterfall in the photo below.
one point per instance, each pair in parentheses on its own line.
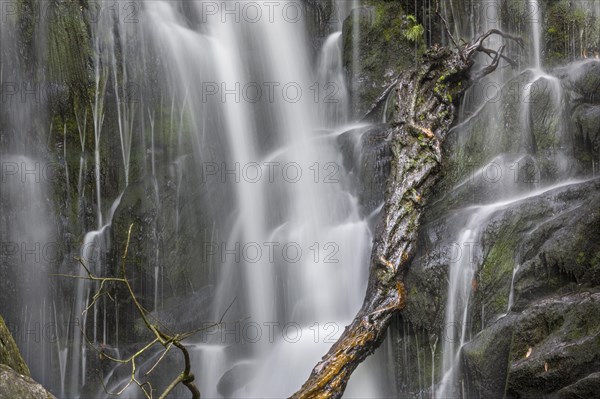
(462,271)
(457,306)
(216,127)
(511,296)
(28,237)
(238,108)
(100,78)
(330,75)
(536,27)
(29,247)
(456,331)
(510,183)
(311,216)
(93,255)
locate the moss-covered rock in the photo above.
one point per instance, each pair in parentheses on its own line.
(547,350)
(584,388)
(561,251)
(583,81)
(552,242)
(14,385)
(388,44)
(586,136)
(15,379)
(9,352)
(556,347)
(484,360)
(68,46)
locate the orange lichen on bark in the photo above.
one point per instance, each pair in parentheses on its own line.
(337,366)
(426,131)
(404,257)
(401,294)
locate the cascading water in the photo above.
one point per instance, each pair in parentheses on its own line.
(536,29)
(27,238)
(249,99)
(314,305)
(510,182)
(93,255)
(330,71)
(461,274)
(214,127)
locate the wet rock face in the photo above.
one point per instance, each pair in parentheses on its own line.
(562,250)
(321,19)
(553,238)
(562,336)
(551,350)
(234,379)
(484,357)
(583,79)
(586,119)
(551,295)
(374,63)
(367,156)
(558,138)
(583,83)
(585,388)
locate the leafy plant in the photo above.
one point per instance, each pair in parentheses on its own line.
(415,31)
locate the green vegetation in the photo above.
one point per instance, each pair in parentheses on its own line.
(414,32)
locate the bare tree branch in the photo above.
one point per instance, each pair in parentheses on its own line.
(447,28)
(162,334)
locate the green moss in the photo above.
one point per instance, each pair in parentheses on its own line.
(535,330)
(495,274)
(9,352)
(584,322)
(393,30)
(595,262)
(68,46)
(580,260)
(384,51)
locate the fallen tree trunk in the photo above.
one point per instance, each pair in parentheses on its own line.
(427,96)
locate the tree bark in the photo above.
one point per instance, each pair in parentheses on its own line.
(427,96)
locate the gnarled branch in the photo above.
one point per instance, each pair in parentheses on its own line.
(426,97)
